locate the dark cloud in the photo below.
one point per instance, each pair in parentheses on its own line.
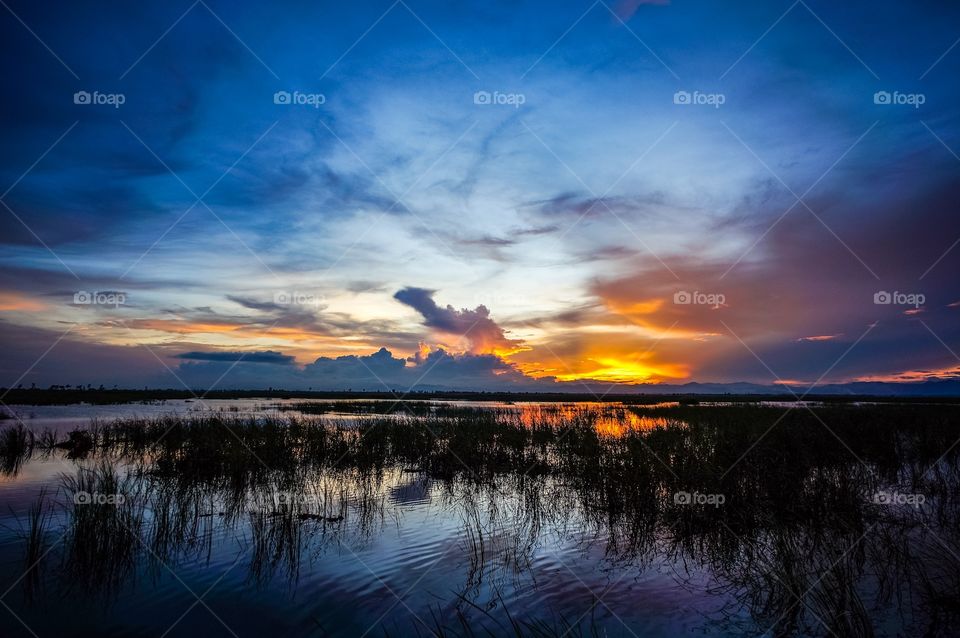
(51,358)
(437,369)
(266,356)
(475,326)
(575,205)
(292,309)
(477,247)
(379,371)
(810,276)
(537,230)
(46,357)
(254,304)
(373,369)
(487,240)
(359,286)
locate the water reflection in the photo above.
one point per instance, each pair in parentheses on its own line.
(727,519)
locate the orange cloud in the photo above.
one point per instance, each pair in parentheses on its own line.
(606,355)
(14,302)
(913,375)
(476,331)
(180,326)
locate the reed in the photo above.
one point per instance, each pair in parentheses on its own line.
(794,541)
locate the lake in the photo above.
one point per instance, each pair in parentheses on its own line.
(352,518)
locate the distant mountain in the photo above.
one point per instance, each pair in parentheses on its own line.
(931,388)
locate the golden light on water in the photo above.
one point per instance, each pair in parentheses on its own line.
(627,422)
(609,420)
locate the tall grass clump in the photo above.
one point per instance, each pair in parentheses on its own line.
(16,445)
(104,528)
(36,546)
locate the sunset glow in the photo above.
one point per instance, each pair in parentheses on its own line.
(621,202)
(480,318)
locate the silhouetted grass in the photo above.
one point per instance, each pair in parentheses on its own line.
(797,536)
(103,536)
(16,445)
(36,546)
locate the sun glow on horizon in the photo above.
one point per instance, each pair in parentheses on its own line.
(610,368)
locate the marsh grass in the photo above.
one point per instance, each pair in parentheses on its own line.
(103,537)
(16,446)
(797,541)
(34,532)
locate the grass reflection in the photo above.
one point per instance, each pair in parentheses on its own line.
(809,520)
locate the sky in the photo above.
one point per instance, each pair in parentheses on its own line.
(499,195)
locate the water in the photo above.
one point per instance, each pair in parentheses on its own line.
(554,533)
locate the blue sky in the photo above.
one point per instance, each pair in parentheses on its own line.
(501,194)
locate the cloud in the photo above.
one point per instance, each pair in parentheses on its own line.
(373,370)
(13,301)
(436,369)
(303,193)
(481,333)
(780,300)
(575,206)
(45,357)
(31,355)
(626,8)
(266,356)
(378,372)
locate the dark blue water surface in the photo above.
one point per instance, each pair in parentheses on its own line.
(399,550)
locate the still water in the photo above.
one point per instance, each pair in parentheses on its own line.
(533,519)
